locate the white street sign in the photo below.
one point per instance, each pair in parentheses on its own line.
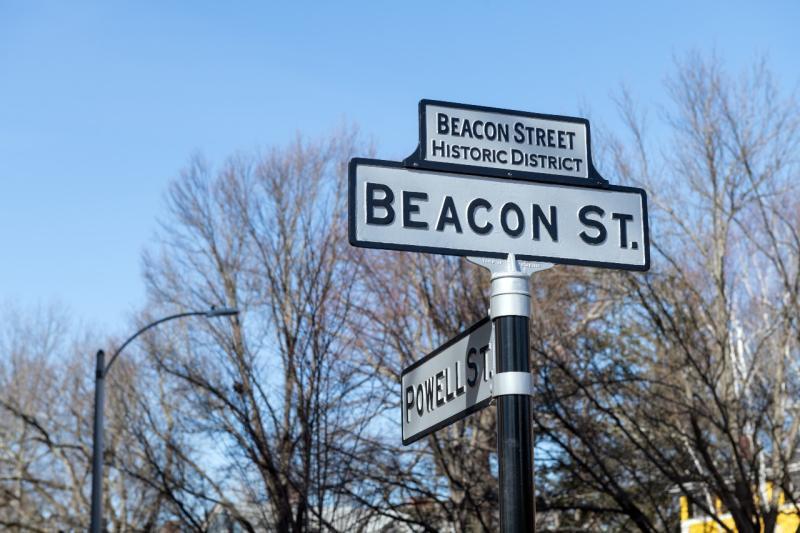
(503,143)
(397,208)
(449,383)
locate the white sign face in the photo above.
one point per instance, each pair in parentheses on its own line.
(449,383)
(512,141)
(397,208)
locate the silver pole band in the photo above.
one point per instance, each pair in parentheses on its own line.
(506,383)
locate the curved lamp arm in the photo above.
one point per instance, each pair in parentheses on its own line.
(99,395)
(213,312)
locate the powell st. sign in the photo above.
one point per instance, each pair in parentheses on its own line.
(449,383)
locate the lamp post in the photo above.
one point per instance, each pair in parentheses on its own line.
(101,371)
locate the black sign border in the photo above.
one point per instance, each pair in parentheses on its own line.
(351,224)
(417,159)
(458,416)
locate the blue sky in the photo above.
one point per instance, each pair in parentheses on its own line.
(101,104)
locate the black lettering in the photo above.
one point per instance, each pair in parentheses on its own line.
(540,138)
(448,215)
(466,129)
(571,135)
(502,132)
(454,125)
(472,366)
(502,157)
(583,216)
(475,132)
(409,209)
(516,157)
(561,139)
(471,208)
(409,402)
(542,160)
(429,394)
(623,227)
(443,126)
(519,132)
(550,138)
(439,389)
(460,389)
(383,203)
(490,130)
(530,130)
(550,225)
(487,367)
(420,399)
(511,206)
(451,393)
(440,148)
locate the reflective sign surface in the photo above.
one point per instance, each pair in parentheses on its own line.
(393,207)
(449,383)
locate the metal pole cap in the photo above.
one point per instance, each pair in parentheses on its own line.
(511,294)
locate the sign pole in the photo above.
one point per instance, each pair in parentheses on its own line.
(96,524)
(510,312)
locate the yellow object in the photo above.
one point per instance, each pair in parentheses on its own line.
(788,519)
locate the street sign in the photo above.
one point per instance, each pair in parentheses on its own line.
(453,196)
(397,208)
(449,383)
(505,143)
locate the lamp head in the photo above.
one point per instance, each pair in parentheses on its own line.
(221,311)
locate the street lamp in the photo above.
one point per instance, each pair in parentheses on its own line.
(101,370)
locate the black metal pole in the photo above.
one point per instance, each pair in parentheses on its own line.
(101,371)
(514,436)
(510,310)
(96,524)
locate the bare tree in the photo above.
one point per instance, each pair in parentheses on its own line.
(45,431)
(689,380)
(416,303)
(40,475)
(276,390)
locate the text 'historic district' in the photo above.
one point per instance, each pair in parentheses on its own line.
(467,135)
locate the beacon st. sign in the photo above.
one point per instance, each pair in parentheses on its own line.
(397,208)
